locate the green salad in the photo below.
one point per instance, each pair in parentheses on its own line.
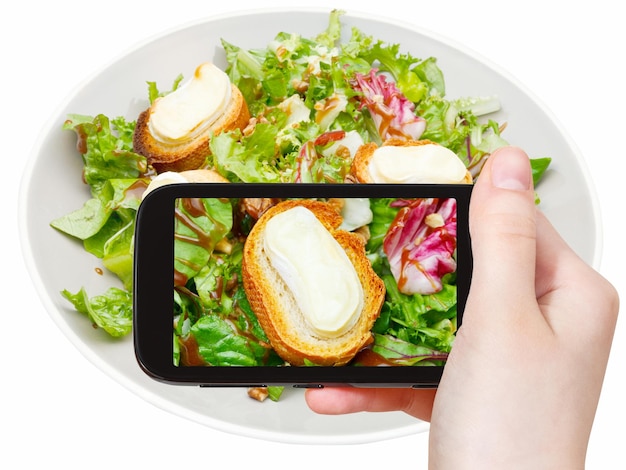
(309,99)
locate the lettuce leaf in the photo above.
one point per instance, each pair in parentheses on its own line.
(413,328)
(422,320)
(250,159)
(230,335)
(111,311)
(539,167)
(220,345)
(114,195)
(106,225)
(200,224)
(213,281)
(404,353)
(106,154)
(85,222)
(383,215)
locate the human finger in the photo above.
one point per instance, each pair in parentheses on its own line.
(503,233)
(344,400)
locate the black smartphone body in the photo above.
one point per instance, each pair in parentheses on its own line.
(303,285)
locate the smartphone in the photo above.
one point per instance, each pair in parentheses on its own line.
(304,285)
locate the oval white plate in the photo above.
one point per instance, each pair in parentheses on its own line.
(57,262)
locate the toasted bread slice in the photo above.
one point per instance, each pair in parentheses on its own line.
(190,154)
(360,164)
(277,309)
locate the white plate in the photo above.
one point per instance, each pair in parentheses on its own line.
(57,262)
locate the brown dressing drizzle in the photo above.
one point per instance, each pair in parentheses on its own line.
(369,358)
(192,207)
(137,189)
(189,354)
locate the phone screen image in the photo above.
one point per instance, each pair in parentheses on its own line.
(314,282)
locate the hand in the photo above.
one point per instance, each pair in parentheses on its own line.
(522,382)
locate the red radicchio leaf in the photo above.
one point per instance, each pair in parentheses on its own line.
(304,162)
(393,114)
(420,244)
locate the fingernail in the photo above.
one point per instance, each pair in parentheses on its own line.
(510,169)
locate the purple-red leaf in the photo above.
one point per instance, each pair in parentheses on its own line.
(420,244)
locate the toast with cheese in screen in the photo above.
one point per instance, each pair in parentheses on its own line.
(310,284)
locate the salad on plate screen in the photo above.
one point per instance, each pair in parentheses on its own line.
(308,106)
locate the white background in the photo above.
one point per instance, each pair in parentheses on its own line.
(59,409)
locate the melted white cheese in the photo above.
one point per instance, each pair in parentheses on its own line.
(192,108)
(356,212)
(295,109)
(421,164)
(167,177)
(316,269)
(349,144)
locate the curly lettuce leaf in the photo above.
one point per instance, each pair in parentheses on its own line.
(422,320)
(250,159)
(154,93)
(331,35)
(106,153)
(416,78)
(117,251)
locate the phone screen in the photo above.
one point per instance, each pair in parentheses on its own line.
(331,281)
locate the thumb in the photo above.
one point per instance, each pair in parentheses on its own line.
(503,232)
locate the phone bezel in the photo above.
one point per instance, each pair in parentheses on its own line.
(153,299)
